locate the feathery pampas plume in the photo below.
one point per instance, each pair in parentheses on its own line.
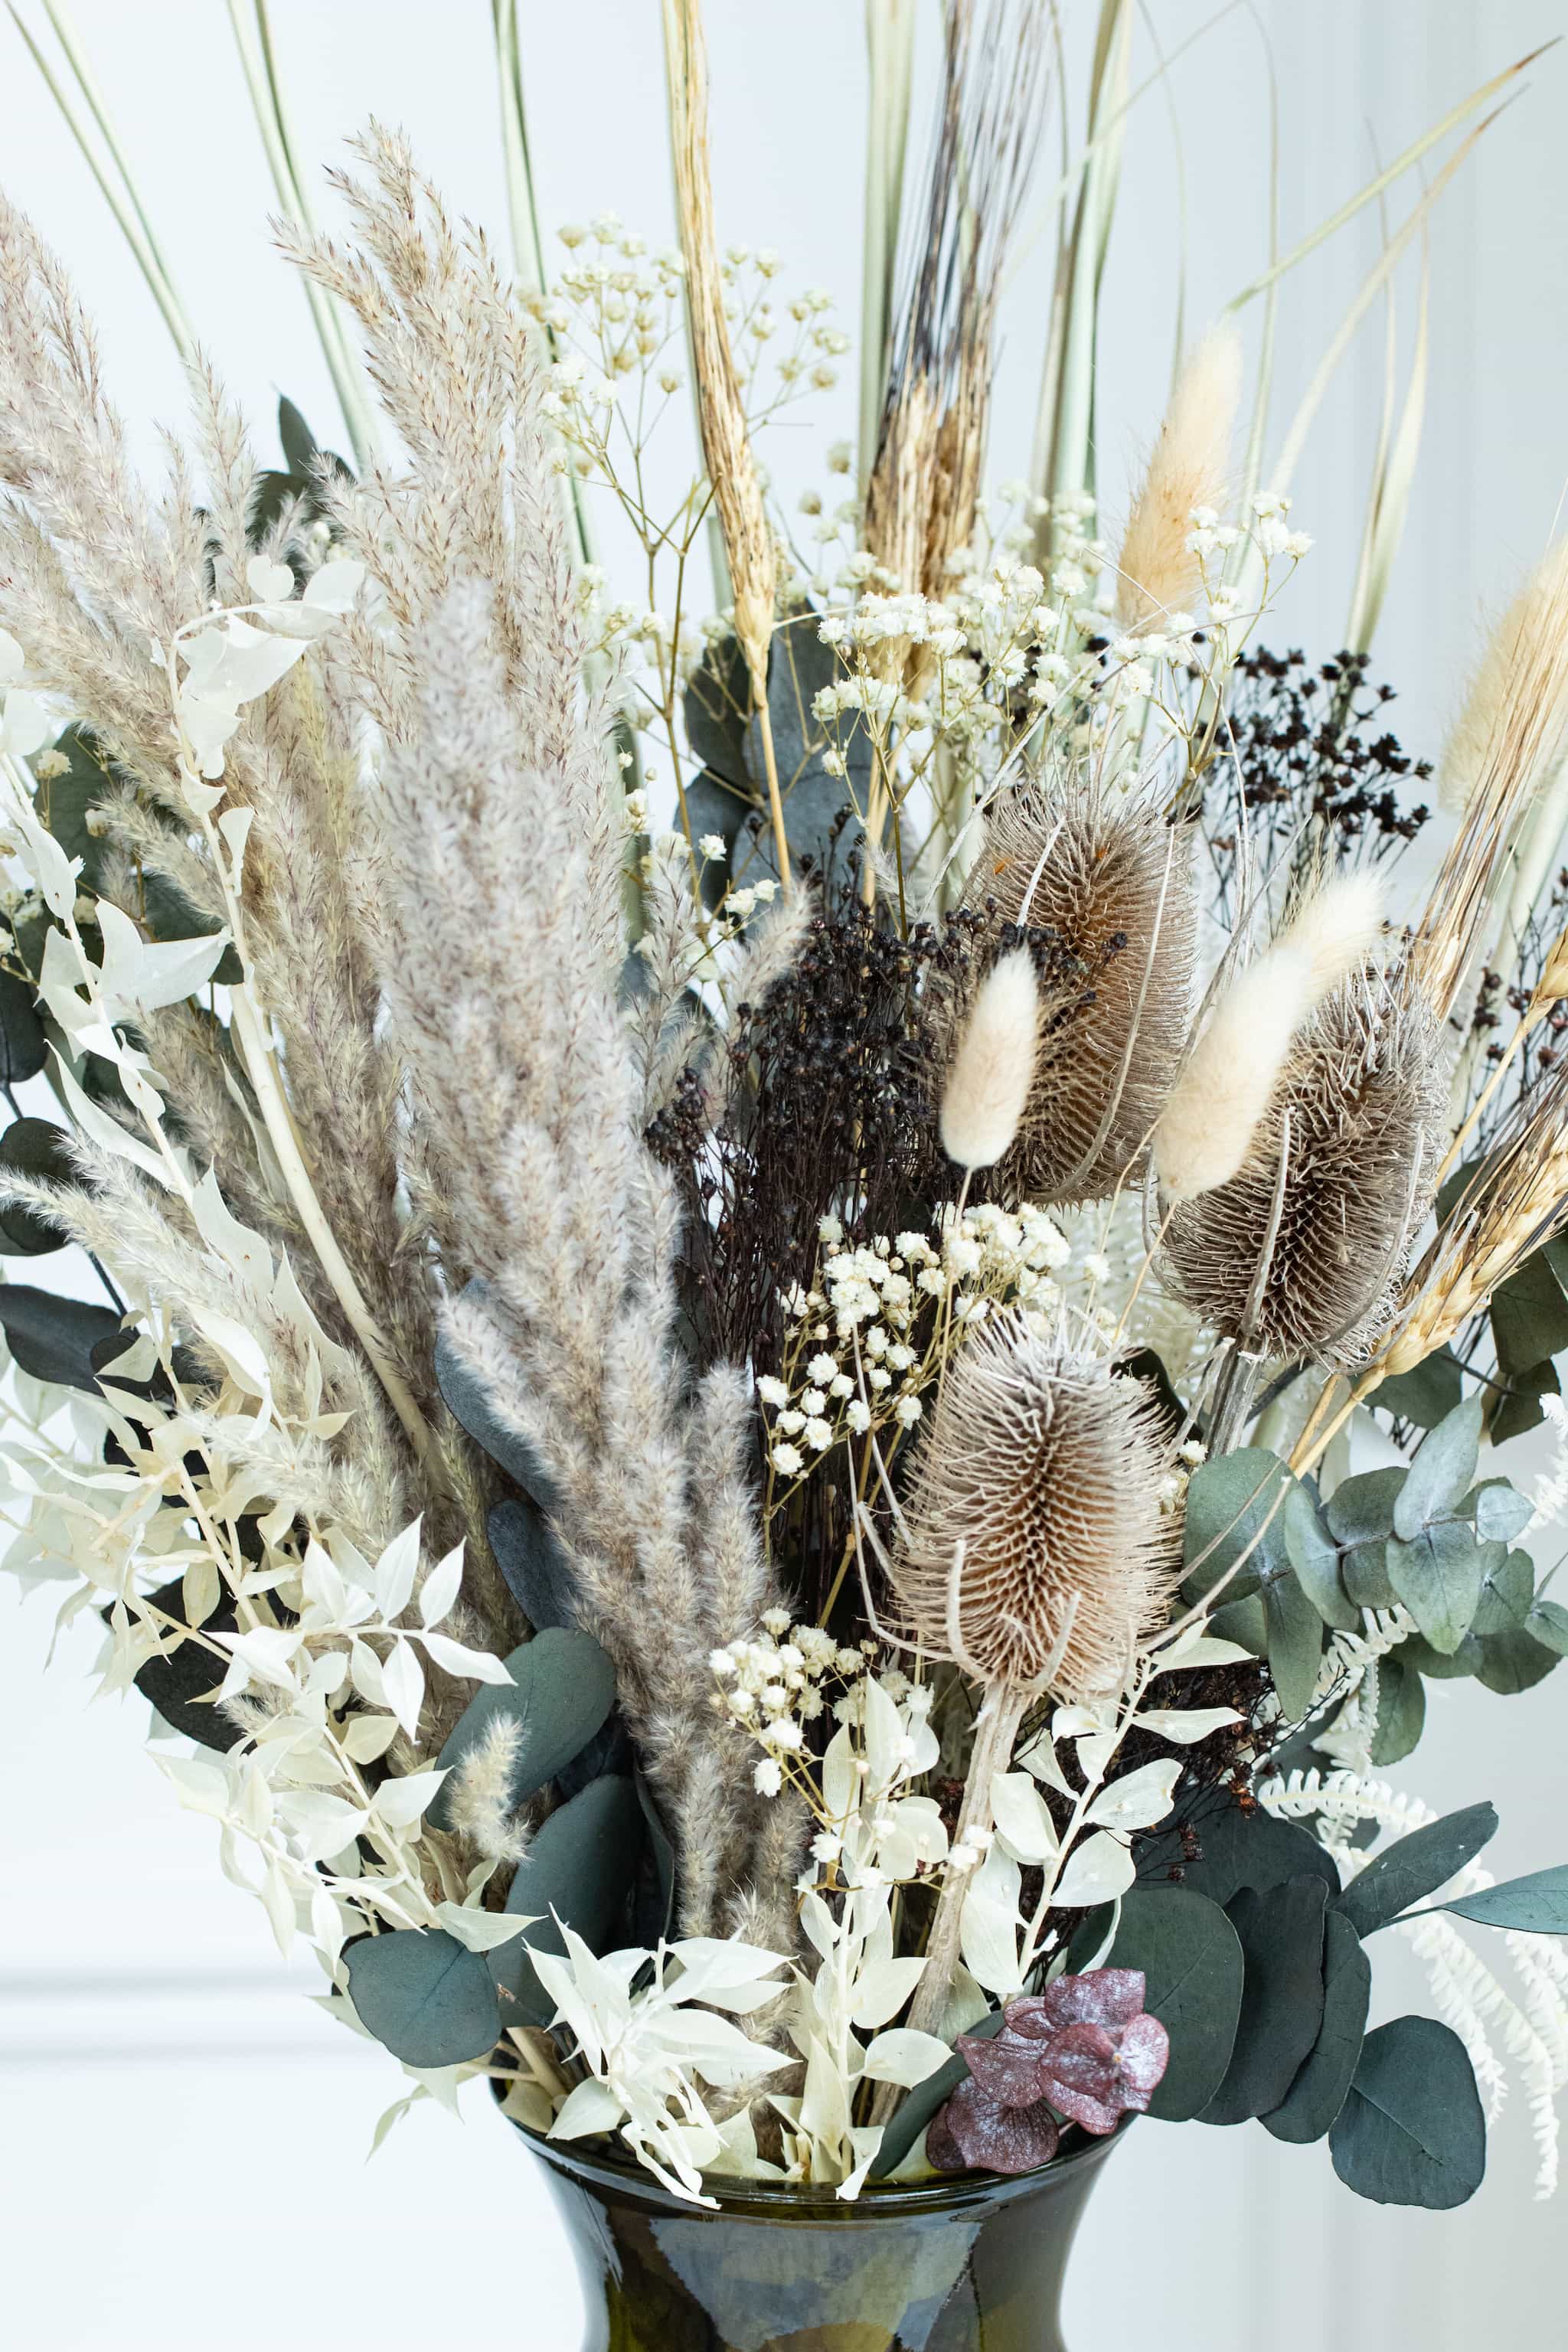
(1206,1127)
(720,411)
(1114,883)
(1298,1253)
(1034,1554)
(993,1069)
(1189,467)
(1535,612)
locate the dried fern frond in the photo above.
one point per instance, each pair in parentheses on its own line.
(1036,1545)
(1114,883)
(1298,1253)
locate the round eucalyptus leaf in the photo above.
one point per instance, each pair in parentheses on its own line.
(1401,1711)
(1193,1970)
(23,1049)
(1281,1936)
(581,1869)
(33,1148)
(431,2001)
(1233,1514)
(1322,2084)
(59,1339)
(561,1689)
(1411,2131)
(1440,1475)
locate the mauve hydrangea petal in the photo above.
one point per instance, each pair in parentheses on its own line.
(1007,2065)
(988,2137)
(1100,1997)
(1145,2053)
(1082,2078)
(1031,2018)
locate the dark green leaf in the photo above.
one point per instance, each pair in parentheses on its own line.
(1534,1905)
(581,1865)
(23,1047)
(1439,1667)
(298,441)
(1511,1662)
(1438,1577)
(1243,1622)
(1520,1408)
(1414,1866)
(429,1999)
(1529,1316)
(660,1906)
(1281,1935)
(1424,1395)
(1235,1849)
(1229,1501)
(1401,1711)
(35,1148)
(1320,2087)
(1361,1510)
(469,1401)
(1412,2131)
(1508,1589)
(1440,1475)
(1295,1642)
(1315,1557)
(532,1558)
(561,1689)
(1192,1964)
(717,707)
(1501,1511)
(182,1681)
(54,1339)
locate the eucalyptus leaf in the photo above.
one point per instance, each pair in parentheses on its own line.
(1438,1577)
(1281,1934)
(37,1149)
(24,1048)
(182,1683)
(1411,2131)
(1235,1849)
(1533,1906)
(59,1340)
(1508,1591)
(1296,1636)
(1191,1963)
(297,441)
(1315,1557)
(1511,1662)
(533,1560)
(1440,1666)
(1401,1711)
(561,1689)
(581,1869)
(1234,1507)
(469,1401)
(1415,1866)
(1502,1512)
(1442,1472)
(1361,1510)
(1424,1394)
(658,1890)
(1547,1624)
(916,2110)
(1323,2080)
(425,1996)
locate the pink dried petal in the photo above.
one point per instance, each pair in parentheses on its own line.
(1099,1997)
(1030,2017)
(1144,2054)
(1006,2066)
(1081,2077)
(988,2137)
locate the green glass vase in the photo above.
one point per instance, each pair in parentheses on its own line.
(975,2265)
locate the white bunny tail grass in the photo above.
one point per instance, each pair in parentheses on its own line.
(1113,882)
(1298,1253)
(1216,1107)
(991,1071)
(1535,618)
(1036,1544)
(1190,467)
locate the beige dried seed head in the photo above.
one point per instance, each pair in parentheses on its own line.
(1036,1544)
(1095,874)
(1357,1124)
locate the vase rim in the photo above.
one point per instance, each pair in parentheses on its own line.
(767,2201)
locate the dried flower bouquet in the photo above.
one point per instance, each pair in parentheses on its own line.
(731,1442)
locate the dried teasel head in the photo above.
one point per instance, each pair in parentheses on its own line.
(1298,1254)
(1034,1545)
(1114,883)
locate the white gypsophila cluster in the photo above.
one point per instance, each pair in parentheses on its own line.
(773,1686)
(869,1336)
(1530,2021)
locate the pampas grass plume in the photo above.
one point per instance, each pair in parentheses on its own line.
(1190,467)
(1537,620)
(1208,1126)
(993,1069)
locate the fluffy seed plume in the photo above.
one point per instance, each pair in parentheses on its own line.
(1189,467)
(1114,883)
(1207,1127)
(1298,1254)
(1036,1545)
(993,1070)
(1534,615)
(478,1799)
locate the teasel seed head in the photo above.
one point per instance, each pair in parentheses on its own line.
(1035,1544)
(1298,1253)
(991,1071)
(1114,883)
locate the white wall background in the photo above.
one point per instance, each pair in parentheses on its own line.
(182,2136)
